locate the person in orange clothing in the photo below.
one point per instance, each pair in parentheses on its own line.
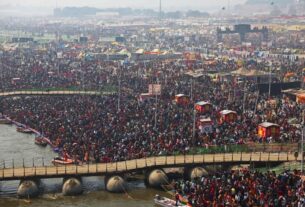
(86,158)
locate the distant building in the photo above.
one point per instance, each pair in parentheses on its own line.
(242,30)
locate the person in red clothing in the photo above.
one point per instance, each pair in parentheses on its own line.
(65,156)
(177,198)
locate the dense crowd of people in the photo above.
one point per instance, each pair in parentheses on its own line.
(124,58)
(98,128)
(92,128)
(244,188)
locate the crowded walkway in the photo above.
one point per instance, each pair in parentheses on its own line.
(245,188)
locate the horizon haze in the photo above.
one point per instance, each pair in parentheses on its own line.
(167,5)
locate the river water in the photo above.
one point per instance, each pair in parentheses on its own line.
(21,148)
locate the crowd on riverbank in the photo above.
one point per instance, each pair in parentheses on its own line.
(96,128)
(245,188)
(92,128)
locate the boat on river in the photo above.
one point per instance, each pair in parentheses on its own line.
(24,130)
(41,141)
(62,161)
(166,202)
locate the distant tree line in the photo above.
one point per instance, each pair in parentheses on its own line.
(85,11)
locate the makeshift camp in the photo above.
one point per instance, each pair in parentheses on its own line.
(228,116)
(268,129)
(203,107)
(182,99)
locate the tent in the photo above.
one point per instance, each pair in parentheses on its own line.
(140,51)
(182,99)
(228,116)
(255,73)
(248,73)
(268,129)
(203,106)
(241,71)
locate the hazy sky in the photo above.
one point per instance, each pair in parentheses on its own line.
(153,4)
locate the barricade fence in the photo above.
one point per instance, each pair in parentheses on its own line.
(63,92)
(25,162)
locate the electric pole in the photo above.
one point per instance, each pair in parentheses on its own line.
(160,10)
